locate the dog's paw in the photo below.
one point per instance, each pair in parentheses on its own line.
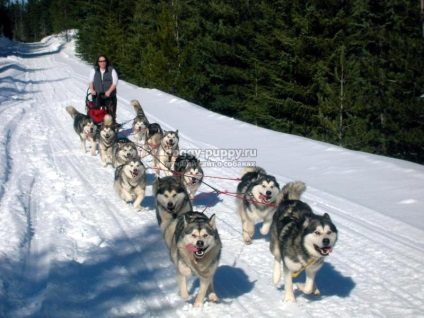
(264,229)
(184,295)
(307,291)
(198,304)
(289,299)
(140,208)
(213,297)
(247,239)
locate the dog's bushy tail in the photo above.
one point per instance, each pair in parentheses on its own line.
(108,120)
(72,111)
(253,169)
(291,191)
(137,107)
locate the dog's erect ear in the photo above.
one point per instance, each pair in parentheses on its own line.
(176,133)
(186,221)
(326,216)
(189,218)
(306,222)
(212,221)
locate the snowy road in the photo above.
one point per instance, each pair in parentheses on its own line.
(69,248)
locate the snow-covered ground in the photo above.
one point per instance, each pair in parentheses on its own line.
(69,248)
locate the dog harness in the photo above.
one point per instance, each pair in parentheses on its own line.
(309,264)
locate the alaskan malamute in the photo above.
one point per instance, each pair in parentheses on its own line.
(300,240)
(130,182)
(152,136)
(140,122)
(257,195)
(172,200)
(194,247)
(107,139)
(123,151)
(85,128)
(187,167)
(167,153)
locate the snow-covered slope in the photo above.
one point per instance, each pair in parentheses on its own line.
(69,248)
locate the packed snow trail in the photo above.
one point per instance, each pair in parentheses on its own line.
(72,249)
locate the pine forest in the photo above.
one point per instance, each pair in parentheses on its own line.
(345,72)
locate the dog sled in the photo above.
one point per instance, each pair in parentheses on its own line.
(99,106)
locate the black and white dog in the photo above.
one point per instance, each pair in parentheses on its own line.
(85,128)
(300,240)
(257,195)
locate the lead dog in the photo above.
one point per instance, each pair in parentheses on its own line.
(300,240)
(85,128)
(257,195)
(194,247)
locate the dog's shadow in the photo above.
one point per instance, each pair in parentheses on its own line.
(329,281)
(207,199)
(229,282)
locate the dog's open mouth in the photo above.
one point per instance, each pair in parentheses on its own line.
(198,252)
(265,198)
(134,173)
(191,181)
(324,251)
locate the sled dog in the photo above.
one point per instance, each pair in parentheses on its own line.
(152,136)
(123,151)
(257,194)
(130,182)
(107,138)
(140,122)
(85,128)
(167,152)
(194,247)
(300,240)
(171,198)
(187,167)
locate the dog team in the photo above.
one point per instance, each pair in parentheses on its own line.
(299,239)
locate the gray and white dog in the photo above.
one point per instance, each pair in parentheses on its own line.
(167,153)
(171,198)
(130,182)
(194,247)
(85,128)
(107,139)
(257,195)
(152,137)
(140,122)
(187,167)
(123,151)
(300,240)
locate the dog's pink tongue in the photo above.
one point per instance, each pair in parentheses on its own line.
(191,248)
(262,197)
